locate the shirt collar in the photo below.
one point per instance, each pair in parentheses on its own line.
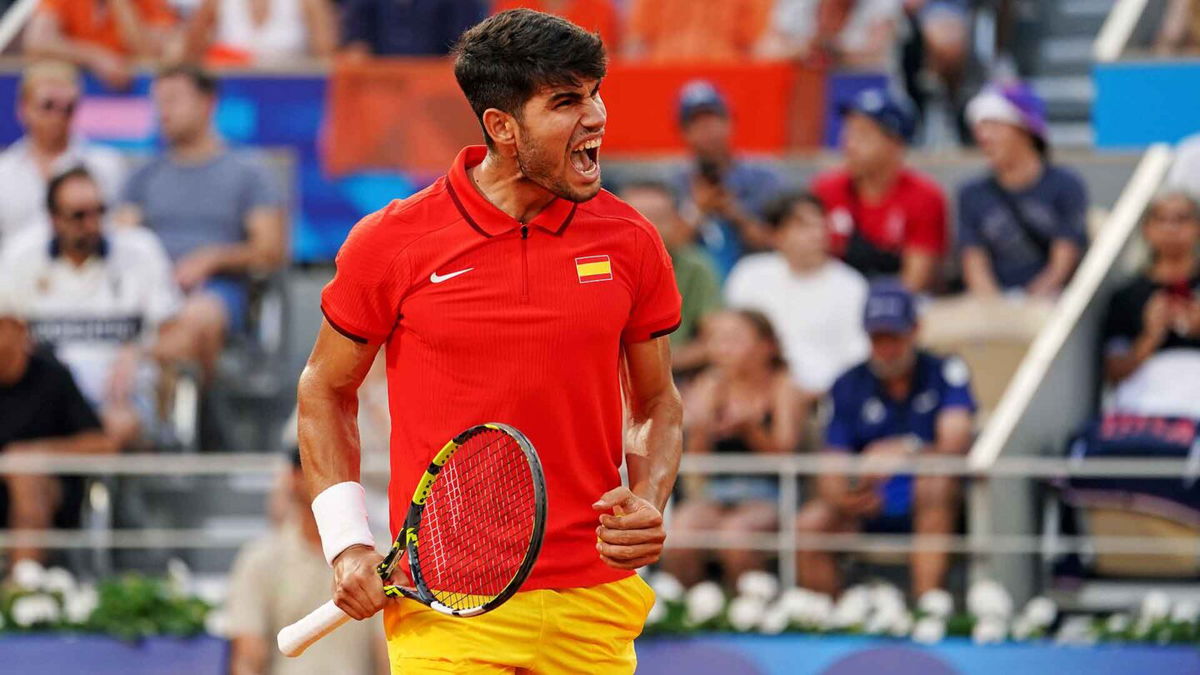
(920,377)
(56,248)
(483,215)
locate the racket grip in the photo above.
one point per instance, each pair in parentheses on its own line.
(322,621)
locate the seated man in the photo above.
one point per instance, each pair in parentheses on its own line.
(41,412)
(1022,227)
(104,36)
(47,99)
(815,301)
(97,296)
(887,219)
(217,213)
(695,274)
(262,601)
(901,402)
(1152,331)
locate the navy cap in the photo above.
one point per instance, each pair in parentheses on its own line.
(891,308)
(889,112)
(700,96)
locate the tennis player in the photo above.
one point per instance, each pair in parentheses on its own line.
(514,290)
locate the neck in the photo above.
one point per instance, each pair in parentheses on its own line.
(77,257)
(1175,268)
(199,148)
(502,183)
(1021,171)
(49,148)
(875,182)
(899,386)
(805,265)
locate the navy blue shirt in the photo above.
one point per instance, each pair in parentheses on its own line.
(411,27)
(863,413)
(754,186)
(1055,206)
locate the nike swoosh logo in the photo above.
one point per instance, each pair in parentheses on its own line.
(437,279)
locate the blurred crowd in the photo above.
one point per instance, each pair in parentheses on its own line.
(816,317)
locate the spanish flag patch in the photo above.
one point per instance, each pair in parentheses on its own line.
(593,268)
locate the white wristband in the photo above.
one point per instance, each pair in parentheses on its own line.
(341,512)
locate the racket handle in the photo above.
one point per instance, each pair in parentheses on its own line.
(322,621)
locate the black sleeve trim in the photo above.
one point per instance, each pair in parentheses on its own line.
(666,331)
(345,333)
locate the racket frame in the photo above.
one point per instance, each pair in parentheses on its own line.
(408,540)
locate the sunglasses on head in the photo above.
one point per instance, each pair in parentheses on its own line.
(56,105)
(80,215)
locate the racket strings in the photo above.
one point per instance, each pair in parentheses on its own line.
(478,522)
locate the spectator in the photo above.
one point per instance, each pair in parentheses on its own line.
(1152,332)
(814,301)
(686,30)
(887,219)
(104,36)
(44,413)
(694,273)
(1185,168)
(46,102)
(857,33)
(744,403)
(1023,226)
(262,601)
(97,297)
(414,27)
(723,196)
(1179,32)
(262,31)
(940,45)
(217,213)
(900,403)
(599,16)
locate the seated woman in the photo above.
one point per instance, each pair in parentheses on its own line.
(1152,331)
(743,403)
(261,32)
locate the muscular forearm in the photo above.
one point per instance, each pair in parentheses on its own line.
(658,439)
(328,433)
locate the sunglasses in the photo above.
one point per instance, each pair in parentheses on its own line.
(55,105)
(80,215)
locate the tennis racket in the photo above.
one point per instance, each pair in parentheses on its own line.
(473,531)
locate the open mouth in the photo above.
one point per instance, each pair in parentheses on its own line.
(584,158)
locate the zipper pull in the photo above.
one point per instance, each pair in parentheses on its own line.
(524,231)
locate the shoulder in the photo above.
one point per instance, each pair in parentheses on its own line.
(135,242)
(30,242)
(150,168)
(1064,177)
(922,186)
(402,222)
(850,383)
(843,274)
(102,156)
(975,187)
(949,371)
(611,210)
(757,265)
(830,182)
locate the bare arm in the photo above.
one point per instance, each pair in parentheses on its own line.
(248,655)
(1064,255)
(977,272)
(136,35)
(322,28)
(93,442)
(198,34)
(955,428)
(918,270)
(657,421)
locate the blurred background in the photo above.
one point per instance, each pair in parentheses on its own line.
(940,351)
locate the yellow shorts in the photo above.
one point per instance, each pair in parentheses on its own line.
(588,631)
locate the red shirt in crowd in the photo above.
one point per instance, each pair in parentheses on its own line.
(489,320)
(911,216)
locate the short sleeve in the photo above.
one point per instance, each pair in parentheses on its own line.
(249,605)
(261,190)
(956,385)
(362,302)
(968,217)
(739,286)
(657,305)
(75,414)
(134,192)
(839,433)
(1072,206)
(928,231)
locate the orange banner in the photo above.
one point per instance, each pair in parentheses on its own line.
(408,114)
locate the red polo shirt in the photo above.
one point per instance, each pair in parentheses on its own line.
(487,320)
(911,216)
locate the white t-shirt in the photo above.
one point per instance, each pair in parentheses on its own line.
(282,36)
(1166,385)
(89,312)
(817,316)
(24,189)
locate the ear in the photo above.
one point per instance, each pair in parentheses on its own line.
(501,127)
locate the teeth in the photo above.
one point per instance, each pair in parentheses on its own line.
(589,145)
